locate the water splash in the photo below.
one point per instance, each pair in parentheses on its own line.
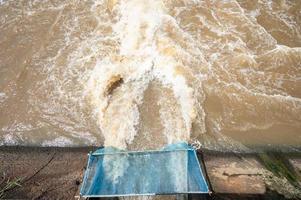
(226,73)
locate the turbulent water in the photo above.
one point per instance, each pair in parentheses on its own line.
(139,74)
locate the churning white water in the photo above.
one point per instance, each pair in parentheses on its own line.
(139,74)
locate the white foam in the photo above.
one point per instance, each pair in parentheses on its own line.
(223,53)
(9,140)
(139,62)
(59,141)
(3,97)
(2,2)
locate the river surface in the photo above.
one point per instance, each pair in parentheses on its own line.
(139,74)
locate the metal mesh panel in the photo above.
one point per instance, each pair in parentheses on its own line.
(172,170)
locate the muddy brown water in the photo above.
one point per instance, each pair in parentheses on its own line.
(225,73)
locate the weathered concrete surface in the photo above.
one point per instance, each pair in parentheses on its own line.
(247,174)
(55,173)
(230,173)
(46,173)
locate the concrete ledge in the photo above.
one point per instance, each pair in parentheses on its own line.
(56,173)
(51,173)
(229,173)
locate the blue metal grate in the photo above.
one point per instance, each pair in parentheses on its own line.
(172,170)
